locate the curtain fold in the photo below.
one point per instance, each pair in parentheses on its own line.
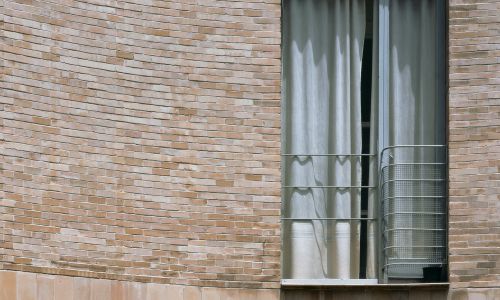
(373,207)
(416,117)
(322,54)
(413,82)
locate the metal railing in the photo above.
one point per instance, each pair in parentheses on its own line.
(413,209)
(302,187)
(307,189)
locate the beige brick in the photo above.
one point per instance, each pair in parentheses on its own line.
(81,288)
(192,293)
(45,287)
(63,288)
(8,285)
(100,289)
(26,286)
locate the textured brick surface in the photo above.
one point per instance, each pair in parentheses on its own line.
(474,128)
(140,141)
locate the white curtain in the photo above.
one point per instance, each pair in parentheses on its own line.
(322,53)
(373,207)
(413,88)
(416,117)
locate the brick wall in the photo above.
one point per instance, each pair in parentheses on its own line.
(140,140)
(474,112)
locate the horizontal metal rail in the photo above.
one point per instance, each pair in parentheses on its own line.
(416,164)
(411,197)
(330,219)
(403,247)
(414,263)
(411,164)
(414,213)
(411,146)
(329,154)
(416,229)
(329,187)
(411,180)
(415,179)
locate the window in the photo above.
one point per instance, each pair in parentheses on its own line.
(364,156)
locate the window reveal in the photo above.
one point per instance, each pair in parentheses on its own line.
(337,93)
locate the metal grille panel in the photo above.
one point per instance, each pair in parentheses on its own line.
(413,195)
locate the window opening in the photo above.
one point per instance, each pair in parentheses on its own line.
(336,58)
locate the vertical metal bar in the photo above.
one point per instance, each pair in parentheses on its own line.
(383,53)
(383,98)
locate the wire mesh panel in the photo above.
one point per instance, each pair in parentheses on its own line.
(413,196)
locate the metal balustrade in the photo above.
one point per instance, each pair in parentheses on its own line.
(306,187)
(287,187)
(413,210)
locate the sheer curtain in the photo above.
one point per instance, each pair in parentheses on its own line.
(416,117)
(413,100)
(322,54)
(373,201)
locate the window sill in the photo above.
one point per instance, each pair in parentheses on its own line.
(327,282)
(320,283)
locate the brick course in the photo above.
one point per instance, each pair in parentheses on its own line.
(140,140)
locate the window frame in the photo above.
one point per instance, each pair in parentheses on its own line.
(382,26)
